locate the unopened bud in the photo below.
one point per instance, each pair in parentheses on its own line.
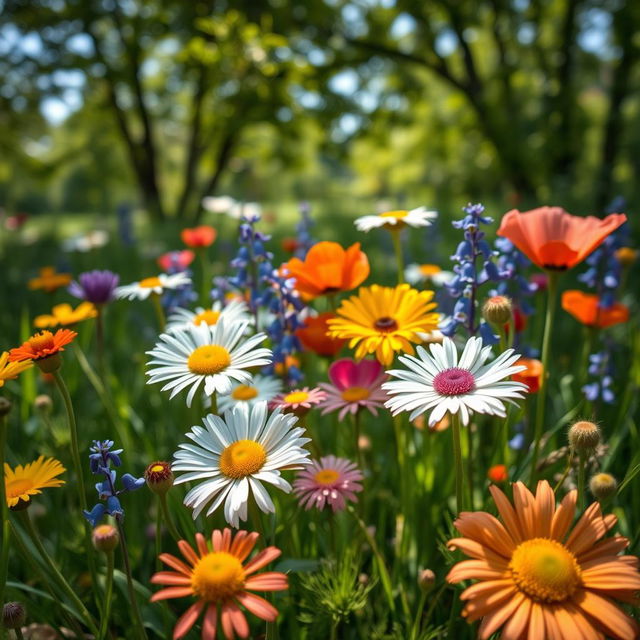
(584,436)
(43,403)
(497,310)
(14,615)
(105,537)
(426,579)
(159,477)
(603,486)
(626,256)
(49,364)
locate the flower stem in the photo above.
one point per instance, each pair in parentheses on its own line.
(108,594)
(157,305)
(457,452)
(4,514)
(171,527)
(397,247)
(205,264)
(581,480)
(356,436)
(415,629)
(542,393)
(102,369)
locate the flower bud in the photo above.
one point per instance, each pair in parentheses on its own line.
(497,310)
(603,486)
(159,477)
(105,537)
(49,364)
(43,403)
(426,579)
(14,615)
(498,473)
(584,436)
(5,406)
(626,256)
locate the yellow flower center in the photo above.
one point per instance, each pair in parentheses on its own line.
(545,570)
(394,214)
(157,468)
(296,397)
(42,341)
(209,317)
(18,487)
(244,392)
(217,577)
(326,477)
(150,283)
(355,394)
(103,530)
(429,269)
(242,458)
(208,359)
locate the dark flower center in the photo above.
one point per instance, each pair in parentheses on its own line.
(385,324)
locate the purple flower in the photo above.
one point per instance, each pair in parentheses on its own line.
(95,286)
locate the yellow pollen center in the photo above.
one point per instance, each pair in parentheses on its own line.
(217,577)
(150,283)
(103,530)
(157,468)
(326,476)
(296,397)
(209,317)
(429,269)
(394,214)
(208,359)
(41,341)
(244,392)
(545,570)
(355,394)
(242,458)
(18,487)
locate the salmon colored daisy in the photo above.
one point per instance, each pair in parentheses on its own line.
(314,335)
(42,345)
(64,314)
(383,320)
(532,374)
(298,401)
(538,577)
(554,239)
(219,581)
(49,280)
(28,480)
(199,237)
(328,268)
(585,308)
(11,370)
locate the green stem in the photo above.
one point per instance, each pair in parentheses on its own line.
(206,277)
(356,434)
(457,452)
(470,455)
(4,514)
(397,247)
(108,594)
(171,527)
(51,565)
(566,472)
(415,629)
(157,305)
(102,369)
(542,393)
(581,480)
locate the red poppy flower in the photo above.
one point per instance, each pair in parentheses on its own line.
(290,245)
(554,239)
(198,237)
(531,376)
(585,308)
(314,335)
(498,473)
(176,259)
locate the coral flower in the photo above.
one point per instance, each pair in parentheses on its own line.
(10,370)
(199,237)
(531,376)
(585,308)
(554,239)
(219,580)
(383,320)
(64,314)
(49,280)
(536,578)
(28,480)
(329,268)
(314,335)
(42,345)
(298,401)
(498,473)
(356,385)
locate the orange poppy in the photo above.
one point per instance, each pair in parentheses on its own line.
(498,473)
(290,245)
(42,345)
(554,239)
(531,376)
(585,308)
(314,335)
(329,268)
(198,237)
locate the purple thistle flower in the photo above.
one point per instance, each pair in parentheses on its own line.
(95,286)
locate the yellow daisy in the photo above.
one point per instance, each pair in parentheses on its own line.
(385,320)
(64,314)
(10,370)
(50,280)
(28,480)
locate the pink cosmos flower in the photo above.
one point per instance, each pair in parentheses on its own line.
(356,385)
(298,401)
(331,481)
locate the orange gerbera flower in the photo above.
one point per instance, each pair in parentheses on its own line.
(329,268)
(314,335)
(218,578)
(539,581)
(50,280)
(531,376)
(42,345)
(554,239)
(198,237)
(585,308)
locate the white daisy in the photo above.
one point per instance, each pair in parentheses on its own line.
(261,388)
(420,217)
(417,273)
(157,284)
(210,354)
(441,383)
(234,311)
(237,454)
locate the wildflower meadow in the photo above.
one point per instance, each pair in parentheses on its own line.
(256,432)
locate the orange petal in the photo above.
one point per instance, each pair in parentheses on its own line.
(563,516)
(609,617)
(262,559)
(258,606)
(187,620)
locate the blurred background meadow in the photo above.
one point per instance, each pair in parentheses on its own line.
(118,117)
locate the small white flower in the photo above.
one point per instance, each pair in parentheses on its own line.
(260,389)
(235,455)
(417,273)
(420,217)
(235,311)
(213,355)
(441,383)
(157,284)
(220,204)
